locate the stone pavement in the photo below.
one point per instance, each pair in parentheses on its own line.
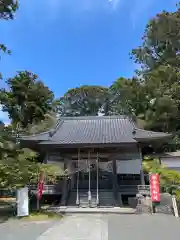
(79,227)
(21,230)
(95,226)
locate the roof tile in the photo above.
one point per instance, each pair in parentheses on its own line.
(94,130)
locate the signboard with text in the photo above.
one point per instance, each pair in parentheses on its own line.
(155,187)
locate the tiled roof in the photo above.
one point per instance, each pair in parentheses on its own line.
(144,134)
(37,137)
(93,130)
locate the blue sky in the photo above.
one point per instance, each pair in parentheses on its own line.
(69,43)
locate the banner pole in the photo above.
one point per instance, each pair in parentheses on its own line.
(152,211)
(37,203)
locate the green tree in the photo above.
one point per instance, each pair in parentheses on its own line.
(83,101)
(44,125)
(8,9)
(161,44)
(27,99)
(20,167)
(127,97)
(159,58)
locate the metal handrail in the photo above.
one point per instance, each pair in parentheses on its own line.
(144,187)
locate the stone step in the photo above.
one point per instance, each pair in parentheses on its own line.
(107,199)
(116,210)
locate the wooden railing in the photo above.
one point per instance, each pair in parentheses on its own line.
(48,189)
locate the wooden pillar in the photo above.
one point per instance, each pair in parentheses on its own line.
(64,187)
(141,171)
(114,177)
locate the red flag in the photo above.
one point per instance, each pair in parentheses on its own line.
(40,186)
(155,187)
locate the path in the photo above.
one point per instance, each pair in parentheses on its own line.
(115,227)
(79,226)
(96,227)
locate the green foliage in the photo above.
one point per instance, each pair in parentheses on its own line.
(27,99)
(42,126)
(82,101)
(4,49)
(8,9)
(161,44)
(16,169)
(159,58)
(20,167)
(127,97)
(170,179)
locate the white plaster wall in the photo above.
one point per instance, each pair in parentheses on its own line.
(128,166)
(171,162)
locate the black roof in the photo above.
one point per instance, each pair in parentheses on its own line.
(94,130)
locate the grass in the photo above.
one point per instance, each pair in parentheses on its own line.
(42,215)
(8,211)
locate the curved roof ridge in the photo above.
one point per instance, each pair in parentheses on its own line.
(55,129)
(144,130)
(94,117)
(36,134)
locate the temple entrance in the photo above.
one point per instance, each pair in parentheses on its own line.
(101,179)
(94,184)
(94,177)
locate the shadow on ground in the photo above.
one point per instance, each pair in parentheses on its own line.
(6,213)
(7,209)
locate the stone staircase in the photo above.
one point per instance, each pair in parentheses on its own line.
(83,197)
(72,198)
(93,199)
(107,199)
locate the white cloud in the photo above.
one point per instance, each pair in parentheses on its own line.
(139,9)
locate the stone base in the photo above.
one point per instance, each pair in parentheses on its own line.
(117,210)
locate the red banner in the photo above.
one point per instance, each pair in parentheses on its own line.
(155,187)
(40,186)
